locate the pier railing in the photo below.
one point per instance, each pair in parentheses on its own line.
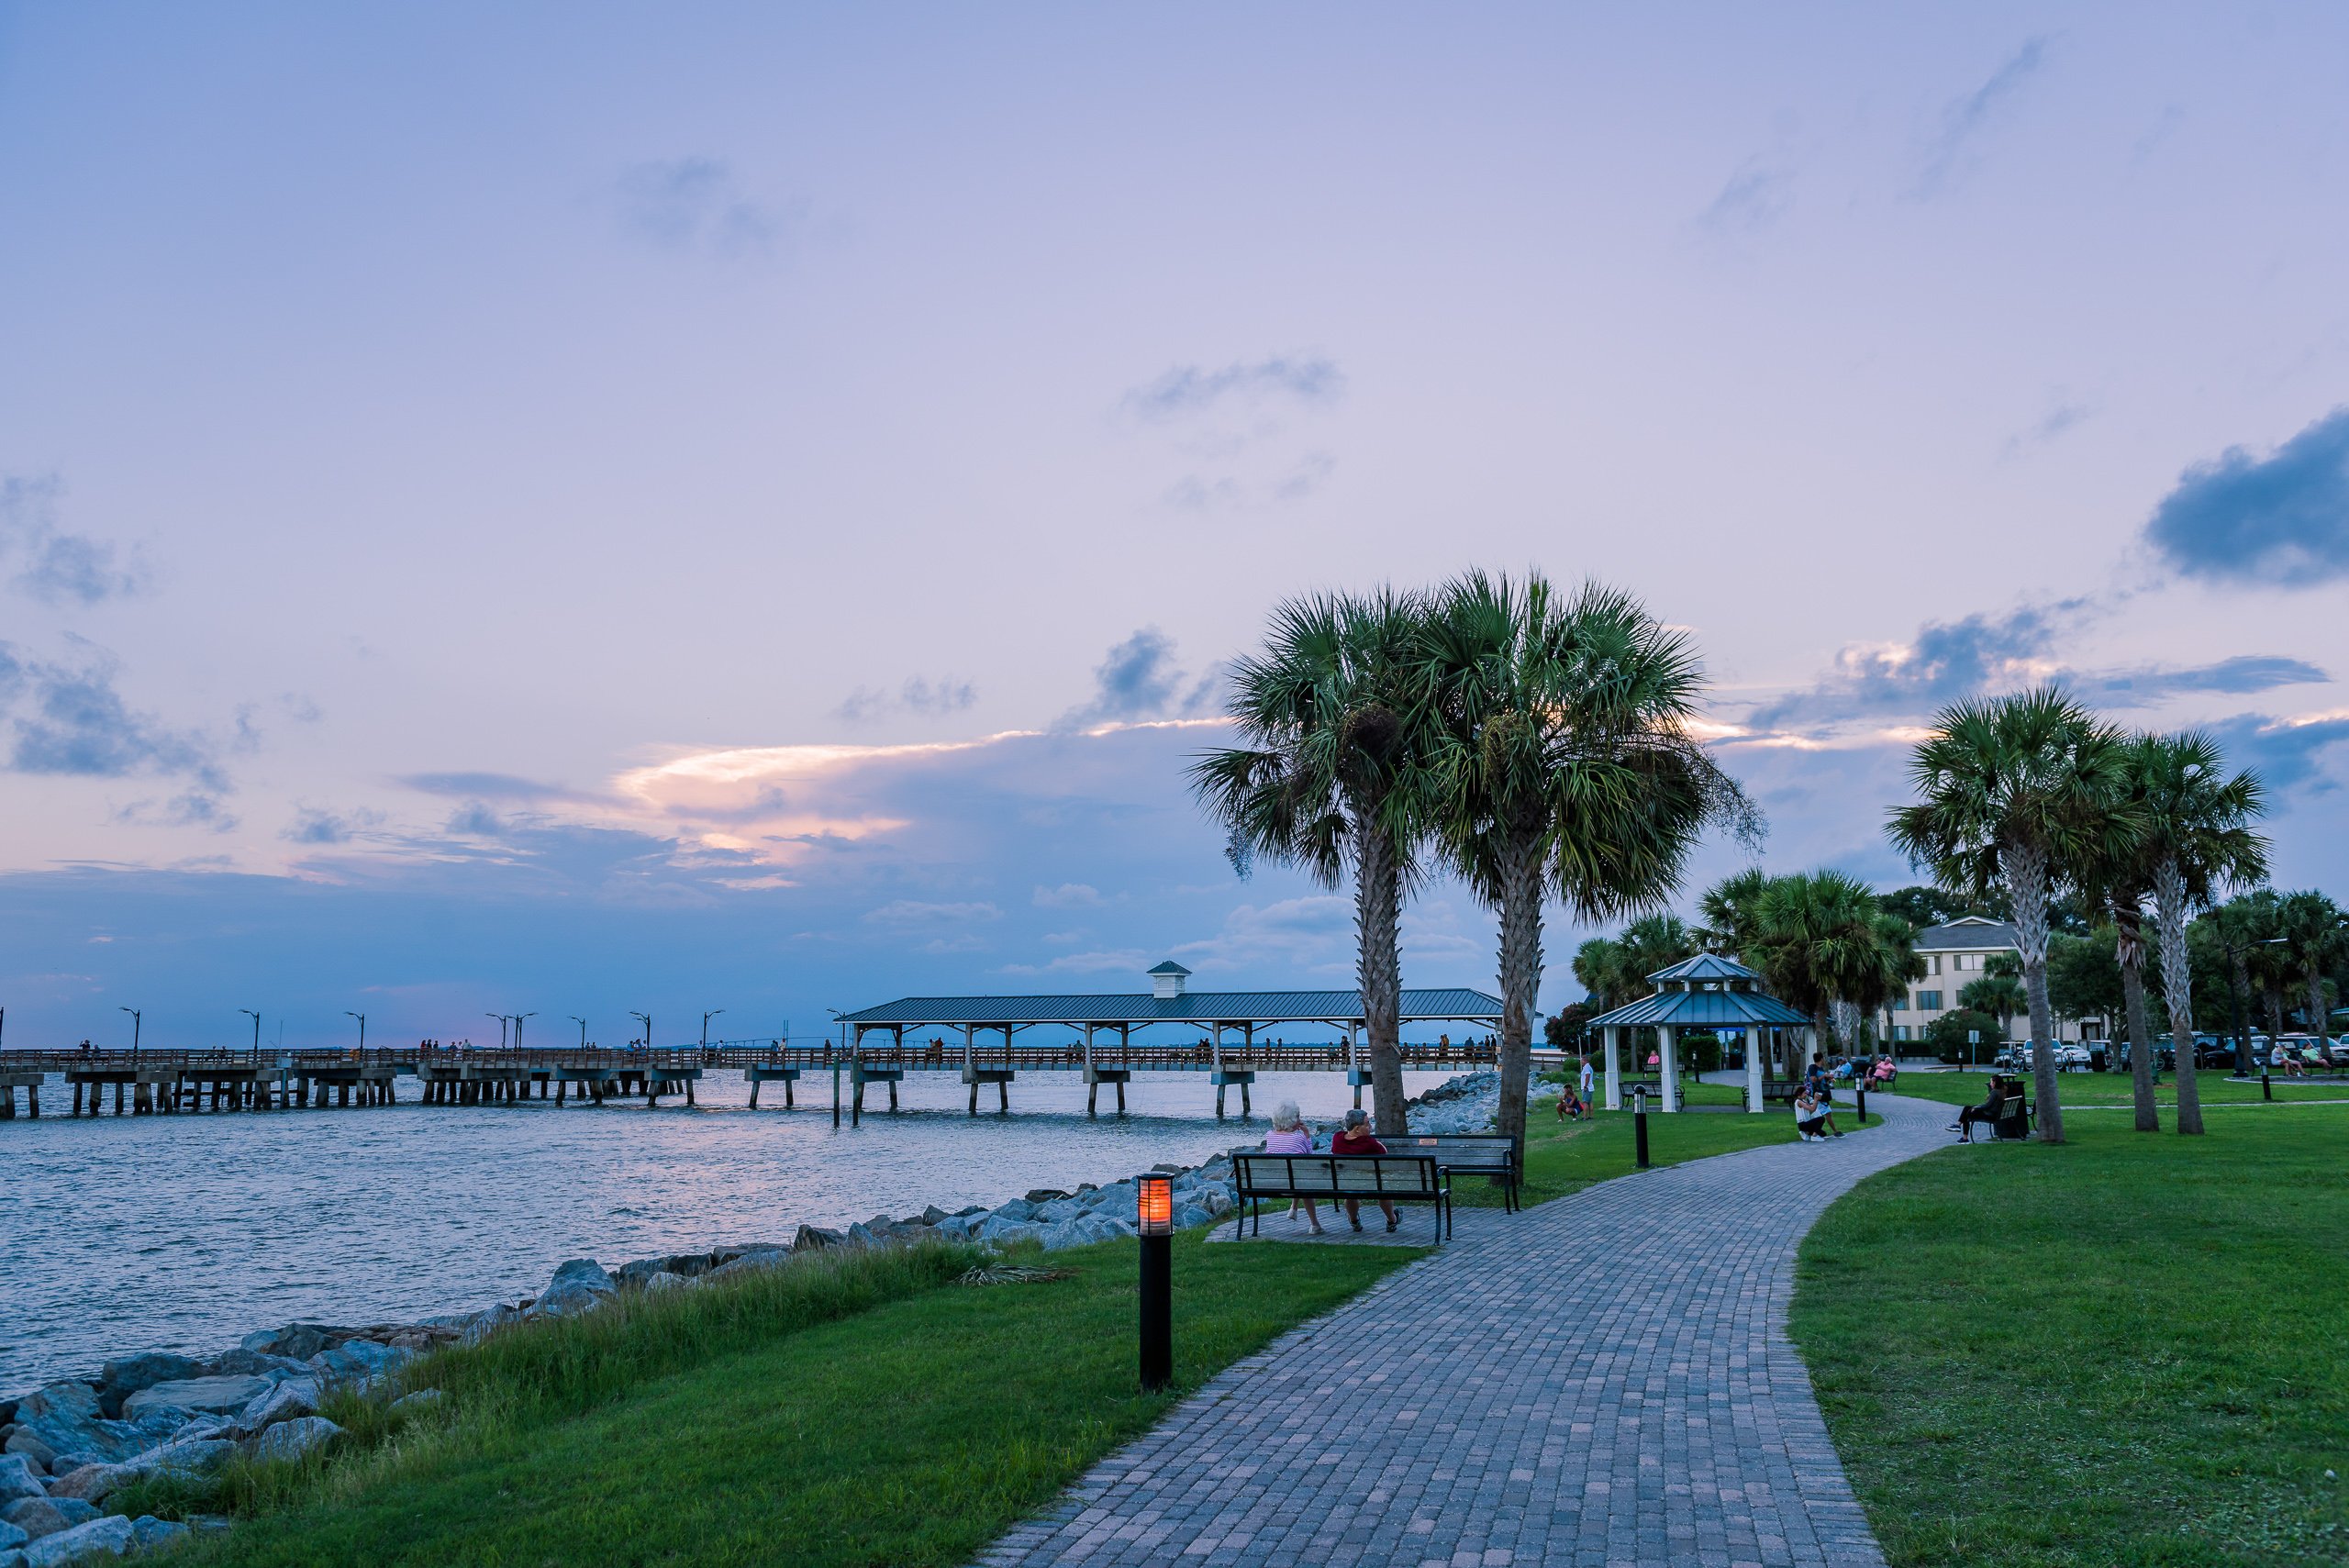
(950,1057)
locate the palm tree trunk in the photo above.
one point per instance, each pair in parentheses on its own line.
(1521,960)
(1378,968)
(2177,988)
(2131,954)
(2275,1016)
(2243,1014)
(2317,1020)
(2024,869)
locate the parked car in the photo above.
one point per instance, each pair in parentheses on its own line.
(2071,1057)
(2100,1053)
(2213,1050)
(2165,1057)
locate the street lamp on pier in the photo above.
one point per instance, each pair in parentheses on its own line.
(705,1026)
(362,1028)
(502,1022)
(255,1016)
(646,1019)
(134,1029)
(583,1028)
(517,1028)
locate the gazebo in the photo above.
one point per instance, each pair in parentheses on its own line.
(1707,992)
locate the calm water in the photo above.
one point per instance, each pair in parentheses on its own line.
(187,1233)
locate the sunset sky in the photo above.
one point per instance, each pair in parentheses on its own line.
(584,508)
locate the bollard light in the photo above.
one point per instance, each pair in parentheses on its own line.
(1639,1125)
(1154,1220)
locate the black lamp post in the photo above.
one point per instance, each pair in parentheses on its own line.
(517,1028)
(646,1019)
(1154,1219)
(1639,1125)
(583,1028)
(255,1016)
(134,1029)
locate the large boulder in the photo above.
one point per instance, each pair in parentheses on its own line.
(108,1536)
(18,1480)
(65,1418)
(217,1395)
(121,1379)
(1017,1208)
(32,1447)
(147,1532)
(579,1285)
(294,1438)
(814,1239)
(748,1263)
(294,1397)
(260,1363)
(1189,1217)
(664,1280)
(954,1227)
(189,1456)
(37,1517)
(999,1228)
(13,1536)
(299,1340)
(360,1363)
(420,1401)
(486,1322)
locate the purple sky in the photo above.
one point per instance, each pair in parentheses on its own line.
(575,510)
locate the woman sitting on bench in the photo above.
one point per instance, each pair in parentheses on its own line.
(1356,1138)
(1988,1113)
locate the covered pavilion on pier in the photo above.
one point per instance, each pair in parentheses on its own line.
(1707,992)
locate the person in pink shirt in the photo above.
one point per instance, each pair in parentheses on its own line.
(1290,1135)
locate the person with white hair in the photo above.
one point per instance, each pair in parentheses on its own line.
(1290,1135)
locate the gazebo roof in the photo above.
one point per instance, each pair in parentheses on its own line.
(1708,991)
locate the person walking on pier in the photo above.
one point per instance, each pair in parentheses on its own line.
(1290,1135)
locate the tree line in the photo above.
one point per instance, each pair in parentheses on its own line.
(1535,742)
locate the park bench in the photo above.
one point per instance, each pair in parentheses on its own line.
(2014,1117)
(1466,1154)
(1400,1178)
(1779,1092)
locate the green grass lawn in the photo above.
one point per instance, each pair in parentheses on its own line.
(2112,1088)
(885,1415)
(2131,1349)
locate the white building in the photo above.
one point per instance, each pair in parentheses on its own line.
(1956,955)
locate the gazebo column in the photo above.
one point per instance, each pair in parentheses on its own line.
(1668,1064)
(1809,1045)
(1754,1048)
(1614,1068)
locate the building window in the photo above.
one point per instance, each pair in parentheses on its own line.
(1929,1001)
(1932,963)
(1899,1032)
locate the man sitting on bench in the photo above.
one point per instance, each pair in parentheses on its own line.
(1988,1113)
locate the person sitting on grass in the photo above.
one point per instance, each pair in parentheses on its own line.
(1290,1135)
(1811,1119)
(1987,1113)
(1356,1138)
(1569,1105)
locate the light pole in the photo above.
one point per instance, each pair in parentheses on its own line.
(501,1028)
(1154,1224)
(134,1029)
(583,1028)
(646,1019)
(362,1028)
(705,1026)
(517,1028)
(256,1019)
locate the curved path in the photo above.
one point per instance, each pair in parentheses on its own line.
(1460,1413)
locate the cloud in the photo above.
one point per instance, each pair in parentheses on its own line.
(2063,415)
(1946,661)
(77,723)
(484,787)
(476,820)
(1118,961)
(1947,153)
(1186,390)
(1755,197)
(2280,519)
(915,912)
(311,825)
(2148,684)
(696,203)
(943,696)
(1310,935)
(2285,751)
(1067,895)
(1140,679)
(59,566)
(194,809)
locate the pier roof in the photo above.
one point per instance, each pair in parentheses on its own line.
(1451,1004)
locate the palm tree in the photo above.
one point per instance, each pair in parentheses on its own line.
(2196,837)
(1726,910)
(2001,995)
(2118,882)
(1564,765)
(1336,779)
(1654,942)
(1816,939)
(2242,928)
(2014,792)
(2316,939)
(1600,965)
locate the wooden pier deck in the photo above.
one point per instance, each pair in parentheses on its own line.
(167,1081)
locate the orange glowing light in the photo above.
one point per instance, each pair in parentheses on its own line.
(1155,1204)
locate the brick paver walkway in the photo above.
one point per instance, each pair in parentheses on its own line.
(1605,1379)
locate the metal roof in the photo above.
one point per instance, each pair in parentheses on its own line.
(1169,967)
(1702,1009)
(1971,931)
(1198,1008)
(1706,967)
